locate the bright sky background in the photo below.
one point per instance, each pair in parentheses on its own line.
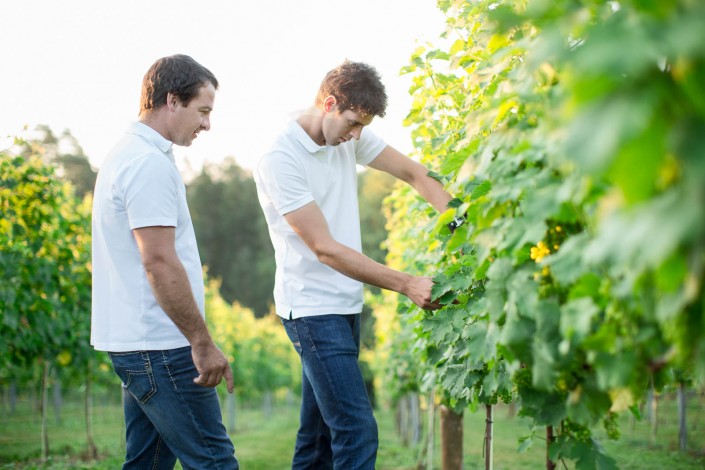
(78,64)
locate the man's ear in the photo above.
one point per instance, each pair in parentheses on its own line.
(329,103)
(172,101)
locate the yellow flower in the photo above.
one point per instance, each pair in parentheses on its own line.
(539,252)
(545,272)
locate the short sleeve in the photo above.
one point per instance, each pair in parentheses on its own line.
(283,181)
(368,147)
(150,190)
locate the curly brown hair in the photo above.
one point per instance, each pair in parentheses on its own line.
(356,86)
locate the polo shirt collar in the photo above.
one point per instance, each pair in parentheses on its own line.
(304,139)
(153,137)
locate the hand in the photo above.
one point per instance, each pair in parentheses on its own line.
(212,366)
(418,290)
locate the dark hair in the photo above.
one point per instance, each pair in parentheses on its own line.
(178,74)
(355,86)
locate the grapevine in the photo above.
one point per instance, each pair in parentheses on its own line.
(578,278)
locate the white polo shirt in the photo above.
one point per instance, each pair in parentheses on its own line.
(138,185)
(293,173)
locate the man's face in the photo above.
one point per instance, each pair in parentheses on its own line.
(187,121)
(340,127)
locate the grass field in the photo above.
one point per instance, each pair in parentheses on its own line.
(266,443)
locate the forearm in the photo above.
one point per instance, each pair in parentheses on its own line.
(415,174)
(432,191)
(361,268)
(358,266)
(172,290)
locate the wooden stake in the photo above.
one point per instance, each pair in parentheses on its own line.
(682,428)
(451,439)
(549,439)
(44,405)
(488,437)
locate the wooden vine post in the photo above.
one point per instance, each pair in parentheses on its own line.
(550,465)
(44,404)
(653,415)
(488,437)
(431,430)
(451,439)
(682,426)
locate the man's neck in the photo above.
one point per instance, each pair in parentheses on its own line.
(311,122)
(155,120)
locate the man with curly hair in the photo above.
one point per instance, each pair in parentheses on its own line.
(307,186)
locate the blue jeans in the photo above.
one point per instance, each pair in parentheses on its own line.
(338,429)
(167,416)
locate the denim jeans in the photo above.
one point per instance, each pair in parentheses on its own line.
(167,416)
(338,429)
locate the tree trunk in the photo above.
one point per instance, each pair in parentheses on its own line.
(451,439)
(653,415)
(56,395)
(431,430)
(488,437)
(682,428)
(550,465)
(414,419)
(43,406)
(402,420)
(13,397)
(267,400)
(92,449)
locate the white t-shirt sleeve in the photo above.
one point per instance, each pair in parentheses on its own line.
(284,182)
(150,192)
(368,147)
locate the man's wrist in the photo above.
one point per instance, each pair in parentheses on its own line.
(201,339)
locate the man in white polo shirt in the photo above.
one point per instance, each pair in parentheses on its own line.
(307,186)
(148,295)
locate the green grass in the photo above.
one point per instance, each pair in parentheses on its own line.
(266,443)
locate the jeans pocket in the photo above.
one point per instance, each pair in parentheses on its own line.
(292,333)
(135,371)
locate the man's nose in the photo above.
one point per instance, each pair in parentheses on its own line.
(206,123)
